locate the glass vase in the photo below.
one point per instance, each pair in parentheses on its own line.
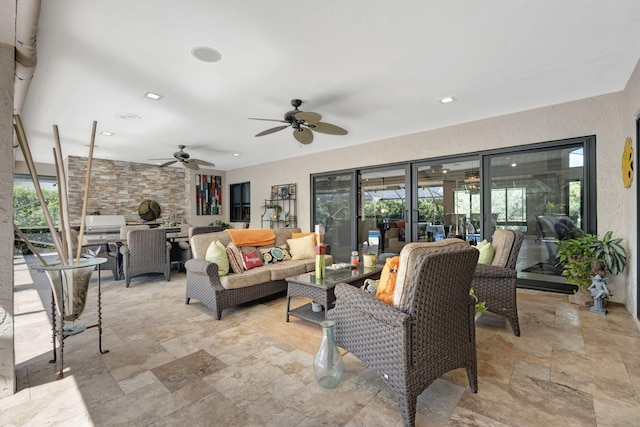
(327,364)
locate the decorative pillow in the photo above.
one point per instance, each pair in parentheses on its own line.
(217,254)
(486,252)
(286,255)
(302,247)
(235,259)
(299,235)
(279,253)
(387,284)
(266,255)
(251,260)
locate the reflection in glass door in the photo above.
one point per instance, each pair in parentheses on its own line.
(540,193)
(383,208)
(333,206)
(447,202)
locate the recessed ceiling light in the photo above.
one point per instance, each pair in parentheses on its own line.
(236,154)
(152,95)
(106,133)
(206,54)
(447,100)
(513,165)
(445,170)
(128,116)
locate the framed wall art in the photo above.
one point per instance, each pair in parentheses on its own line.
(208,195)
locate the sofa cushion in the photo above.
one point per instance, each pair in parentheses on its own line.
(302,248)
(282,270)
(388,277)
(502,243)
(280,253)
(217,254)
(408,256)
(253,277)
(282,234)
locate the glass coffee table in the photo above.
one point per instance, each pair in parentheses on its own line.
(321,290)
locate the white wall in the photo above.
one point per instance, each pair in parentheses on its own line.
(600,116)
(630,112)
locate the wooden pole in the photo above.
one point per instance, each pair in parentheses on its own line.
(24,146)
(29,244)
(66,243)
(64,198)
(87,181)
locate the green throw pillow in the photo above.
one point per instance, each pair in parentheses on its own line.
(217,254)
(486,252)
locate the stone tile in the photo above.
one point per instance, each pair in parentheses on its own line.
(594,374)
(188,369)
(569,367)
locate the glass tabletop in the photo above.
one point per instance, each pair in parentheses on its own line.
(56,265)
(335,276)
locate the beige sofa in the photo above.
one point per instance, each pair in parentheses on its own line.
(220,292)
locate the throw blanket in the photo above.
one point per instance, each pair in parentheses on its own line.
(252,236)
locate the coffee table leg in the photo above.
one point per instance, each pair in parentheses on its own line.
(286,319)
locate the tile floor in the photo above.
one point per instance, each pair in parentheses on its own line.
(169,364)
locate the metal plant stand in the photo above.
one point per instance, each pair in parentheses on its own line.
(57,269)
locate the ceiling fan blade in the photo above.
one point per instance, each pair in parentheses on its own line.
(201,162)
(191,165)
(308,116)
(164,158)
(329,129)
(303,135)
(269,120)
(272,130)
(167,163)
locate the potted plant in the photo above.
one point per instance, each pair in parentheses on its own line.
(481,306)
(219,223)
(586,256)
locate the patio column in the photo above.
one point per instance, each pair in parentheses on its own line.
(7,63)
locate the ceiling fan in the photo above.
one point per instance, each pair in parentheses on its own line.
(184,158)
(303,123)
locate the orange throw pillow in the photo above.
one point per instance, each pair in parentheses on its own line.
(388,280)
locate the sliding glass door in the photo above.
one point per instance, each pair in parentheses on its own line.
(447,200)
(542,193)
(334,207)
(382,207)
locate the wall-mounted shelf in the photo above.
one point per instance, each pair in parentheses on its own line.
(280,210)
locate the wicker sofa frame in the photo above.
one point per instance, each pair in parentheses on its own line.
(435,334)
(204,283)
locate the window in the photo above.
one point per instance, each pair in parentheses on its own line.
(240,200)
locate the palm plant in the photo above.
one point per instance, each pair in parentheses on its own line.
(584,257)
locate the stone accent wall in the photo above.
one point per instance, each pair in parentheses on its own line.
(118,188)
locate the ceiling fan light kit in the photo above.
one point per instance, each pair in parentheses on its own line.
(303,123)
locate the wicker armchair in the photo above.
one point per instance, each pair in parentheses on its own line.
(146,251)
(433,335)
(496,283)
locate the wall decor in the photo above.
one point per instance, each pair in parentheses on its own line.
(208,195)
(627,163)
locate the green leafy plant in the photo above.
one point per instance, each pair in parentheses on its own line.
(219,223)
(584,257)
(481,306)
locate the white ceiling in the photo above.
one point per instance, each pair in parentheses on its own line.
(375,68)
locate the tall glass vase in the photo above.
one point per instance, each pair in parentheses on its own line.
(327,364)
